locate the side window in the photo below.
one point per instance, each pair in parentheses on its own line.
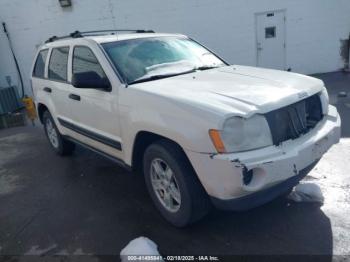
(85,61)
(39,68)
(58,63)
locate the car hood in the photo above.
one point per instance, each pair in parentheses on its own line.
(238,90)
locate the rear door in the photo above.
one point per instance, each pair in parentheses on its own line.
(38,80)
(95,111)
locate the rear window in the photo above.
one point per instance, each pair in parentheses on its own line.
(58,64)
(39,68)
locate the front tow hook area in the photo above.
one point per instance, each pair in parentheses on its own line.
(247,176)
(253,179)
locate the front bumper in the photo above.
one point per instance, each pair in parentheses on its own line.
(274,168)
(264,196)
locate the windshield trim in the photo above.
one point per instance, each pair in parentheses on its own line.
(120,74)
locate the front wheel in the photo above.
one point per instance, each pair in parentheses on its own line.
(60,145)
(173,184)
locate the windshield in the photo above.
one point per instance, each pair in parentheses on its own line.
(151,58)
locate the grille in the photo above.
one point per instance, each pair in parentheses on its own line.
(292,121)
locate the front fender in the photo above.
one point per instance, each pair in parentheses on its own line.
(190,132)
(185,123)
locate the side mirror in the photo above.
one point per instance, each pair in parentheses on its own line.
(91,80)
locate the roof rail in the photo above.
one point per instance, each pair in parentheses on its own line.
(78,34)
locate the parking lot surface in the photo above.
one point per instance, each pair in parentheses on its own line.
(86,204)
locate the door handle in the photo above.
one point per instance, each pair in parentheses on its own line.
(74,97)
(47,89)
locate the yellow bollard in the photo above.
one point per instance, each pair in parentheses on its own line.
(30,108)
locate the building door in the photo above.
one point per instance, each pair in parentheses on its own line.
(271,46)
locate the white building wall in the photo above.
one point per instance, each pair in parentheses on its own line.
(7,65)
(314,27)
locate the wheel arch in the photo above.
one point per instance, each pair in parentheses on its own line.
(41,109)
(143,139)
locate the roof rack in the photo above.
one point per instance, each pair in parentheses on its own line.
(78,34)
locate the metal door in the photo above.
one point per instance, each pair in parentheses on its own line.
(271,35)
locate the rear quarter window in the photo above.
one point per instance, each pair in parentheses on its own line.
(58,64)
(39,68)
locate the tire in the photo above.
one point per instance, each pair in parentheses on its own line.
(191,202)
(60,145)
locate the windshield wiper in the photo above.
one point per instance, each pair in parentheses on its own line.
(201,68)
(156,77)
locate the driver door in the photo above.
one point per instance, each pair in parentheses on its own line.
(95,111)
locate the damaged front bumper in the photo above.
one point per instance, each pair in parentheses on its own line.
(245,180)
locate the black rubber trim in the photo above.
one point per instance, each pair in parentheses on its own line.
(74,97)
(102,139)
(47,89)
(261,197)
(112,158)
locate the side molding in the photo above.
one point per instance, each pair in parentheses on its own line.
(100,138)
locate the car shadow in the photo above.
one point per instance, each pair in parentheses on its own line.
(278,228)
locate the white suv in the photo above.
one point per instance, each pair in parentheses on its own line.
(201,132)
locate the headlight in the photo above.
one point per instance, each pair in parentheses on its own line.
(240,134)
